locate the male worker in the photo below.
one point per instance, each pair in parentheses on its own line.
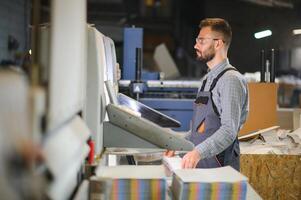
(221,106)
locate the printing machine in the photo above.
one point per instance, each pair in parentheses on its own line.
(71,104)
(125,115)
(110,119)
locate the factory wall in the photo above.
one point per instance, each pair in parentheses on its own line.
(245,19)
(245,49)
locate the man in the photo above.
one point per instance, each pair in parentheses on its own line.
(221,106)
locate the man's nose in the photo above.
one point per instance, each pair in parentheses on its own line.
(195,46)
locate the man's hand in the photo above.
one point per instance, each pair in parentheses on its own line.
(169,153)
(191,159)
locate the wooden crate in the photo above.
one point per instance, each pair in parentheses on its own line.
(273,176)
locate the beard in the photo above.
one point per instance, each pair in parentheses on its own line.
(207,55)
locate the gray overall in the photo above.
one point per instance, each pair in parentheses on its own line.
(206,120)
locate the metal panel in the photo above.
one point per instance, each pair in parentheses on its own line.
(111,92)
(161,137)
(173,84)
(67,60)
(133,38)
(94,112)
(110,59)
(65,150)
(117,137)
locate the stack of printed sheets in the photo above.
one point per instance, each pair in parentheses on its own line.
(133,182)
(216,183)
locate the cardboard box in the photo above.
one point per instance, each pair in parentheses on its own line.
(262,107)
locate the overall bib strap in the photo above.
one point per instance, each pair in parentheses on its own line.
(203,85)
(214,82)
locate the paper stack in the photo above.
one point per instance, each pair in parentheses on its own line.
(133,182)
(215,183)
(172,163)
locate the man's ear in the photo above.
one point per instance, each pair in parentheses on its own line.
(219,44)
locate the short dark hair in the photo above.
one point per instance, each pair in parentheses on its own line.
(218,25)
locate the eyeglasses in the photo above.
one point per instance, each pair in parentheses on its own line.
(201,40)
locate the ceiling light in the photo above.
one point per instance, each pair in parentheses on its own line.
(263,34)
(297,31)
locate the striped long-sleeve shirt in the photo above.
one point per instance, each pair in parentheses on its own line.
(230,96)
